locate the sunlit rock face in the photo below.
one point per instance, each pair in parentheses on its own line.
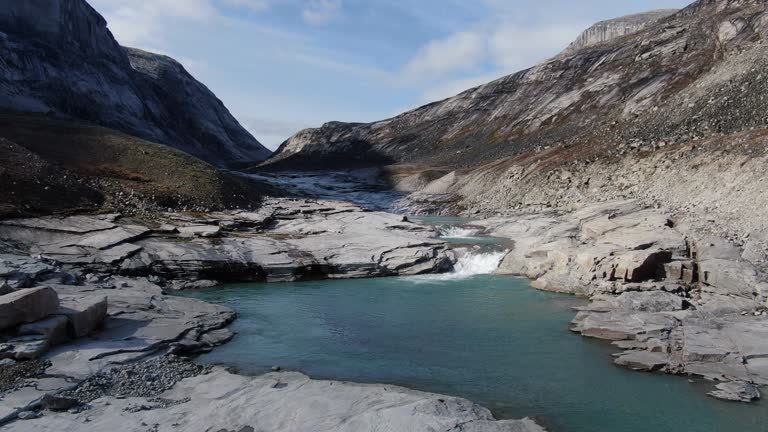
(611,29)
(58,56)
(616,83)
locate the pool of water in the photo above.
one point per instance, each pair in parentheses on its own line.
(460,232)
(491,339)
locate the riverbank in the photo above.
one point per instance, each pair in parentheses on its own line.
(672,299)
(126,267)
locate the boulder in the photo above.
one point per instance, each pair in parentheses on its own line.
(736,391)
(680,271)
(731,277)
(58,403)
(643,360)
(83,313)
(27,305)
(723,271)
(621,325)
(636,266)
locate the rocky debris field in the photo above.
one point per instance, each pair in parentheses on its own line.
(671,298)
(147,379)
(13,374)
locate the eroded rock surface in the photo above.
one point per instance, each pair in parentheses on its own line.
(140,321)
(284,240)
(280,402)
(672,299)
(105,270)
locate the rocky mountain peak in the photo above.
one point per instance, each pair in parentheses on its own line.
(606,30)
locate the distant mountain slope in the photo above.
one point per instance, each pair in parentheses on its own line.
(672,80)
(58,55)
(49,165)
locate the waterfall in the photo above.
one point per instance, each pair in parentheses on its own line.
(456,232)
(469,264)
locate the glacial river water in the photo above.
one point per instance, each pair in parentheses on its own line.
(491,339)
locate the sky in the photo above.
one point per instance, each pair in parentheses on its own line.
(284,65)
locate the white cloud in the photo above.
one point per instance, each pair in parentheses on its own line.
(141,23)
(513,48)
(457,52)
(470,58)
(320,11)
(322,61)
(254,5)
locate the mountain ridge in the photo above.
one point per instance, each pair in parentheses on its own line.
(544,105)
(59,56)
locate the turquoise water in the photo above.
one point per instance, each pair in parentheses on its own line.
(491,339)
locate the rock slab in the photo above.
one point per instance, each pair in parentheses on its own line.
(27,305)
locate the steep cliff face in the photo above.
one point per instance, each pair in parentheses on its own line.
(595,98)
(58,55)
(194,108)
(614,28)
(70,24)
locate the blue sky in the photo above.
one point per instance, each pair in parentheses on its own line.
(283,65)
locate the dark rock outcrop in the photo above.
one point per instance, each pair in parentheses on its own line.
(58,56)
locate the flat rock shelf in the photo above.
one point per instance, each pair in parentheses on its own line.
(491,339)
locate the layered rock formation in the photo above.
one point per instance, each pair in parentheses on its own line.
(614,28)
(282,241)
(673,299)
(58,56)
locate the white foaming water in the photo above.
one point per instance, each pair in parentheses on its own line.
(476,264)
(457,232)
(468,265)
